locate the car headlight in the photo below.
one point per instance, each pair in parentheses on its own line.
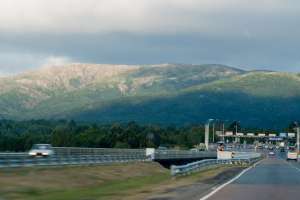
(32,153)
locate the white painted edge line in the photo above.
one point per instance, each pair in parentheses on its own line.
(228,182)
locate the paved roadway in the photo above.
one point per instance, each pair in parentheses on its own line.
(272,179)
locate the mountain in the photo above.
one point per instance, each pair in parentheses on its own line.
(166,93)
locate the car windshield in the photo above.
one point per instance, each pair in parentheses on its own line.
(292,149)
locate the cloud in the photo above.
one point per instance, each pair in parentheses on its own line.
(144,16)
(12,62)
(56,60)
(256,33)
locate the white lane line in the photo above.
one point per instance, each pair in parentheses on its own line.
(228,182)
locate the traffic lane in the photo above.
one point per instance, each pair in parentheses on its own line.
(272,179)
(196,190)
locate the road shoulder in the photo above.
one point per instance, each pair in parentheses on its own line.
(191,187)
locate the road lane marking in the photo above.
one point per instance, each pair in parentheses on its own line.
(228,182)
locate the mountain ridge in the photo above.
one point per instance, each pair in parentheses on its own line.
(77,90)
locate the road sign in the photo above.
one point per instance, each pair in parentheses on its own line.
(291,135)
(272,135)
(283,135)
(218,133)
(275,138)
(228,133)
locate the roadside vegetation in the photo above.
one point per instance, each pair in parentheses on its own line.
(21,135)
(110,182)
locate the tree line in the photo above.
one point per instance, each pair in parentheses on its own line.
(21,135)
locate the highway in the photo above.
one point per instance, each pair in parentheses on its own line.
(272,179)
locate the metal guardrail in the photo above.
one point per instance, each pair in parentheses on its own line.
(97,151)
(77,155)
(204,164)
(158,154)
(181,154)
(13,155)
(245,155)
(67,160)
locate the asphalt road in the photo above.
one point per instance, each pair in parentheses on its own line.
(274,178)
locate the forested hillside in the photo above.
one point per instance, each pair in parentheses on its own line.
(164,94)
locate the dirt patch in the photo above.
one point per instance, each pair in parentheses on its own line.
(223,176)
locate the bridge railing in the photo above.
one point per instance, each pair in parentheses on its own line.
(139,153)
(77,155)
(204,164)
(180,154)
(97,151)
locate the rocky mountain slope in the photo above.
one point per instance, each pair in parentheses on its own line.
(166,93)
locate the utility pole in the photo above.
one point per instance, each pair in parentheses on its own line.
(236,139)
(298,139)
(223,132)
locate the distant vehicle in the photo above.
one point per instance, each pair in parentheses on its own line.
(194,150)
(41,150)
(271,153)
(162,148)
(292,154)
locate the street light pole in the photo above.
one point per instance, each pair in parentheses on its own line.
(206,135)
(206,139)
(298,139)
(223,132)
(213,133)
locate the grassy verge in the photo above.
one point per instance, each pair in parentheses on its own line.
(114,182)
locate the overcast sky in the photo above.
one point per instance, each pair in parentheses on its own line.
(251,34)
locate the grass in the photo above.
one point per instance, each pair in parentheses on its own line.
(93,182)
(114,182)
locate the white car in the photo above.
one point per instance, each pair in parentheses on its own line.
(43,150)
(292,155)
(271,153)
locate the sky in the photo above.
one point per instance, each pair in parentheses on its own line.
(249,34)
